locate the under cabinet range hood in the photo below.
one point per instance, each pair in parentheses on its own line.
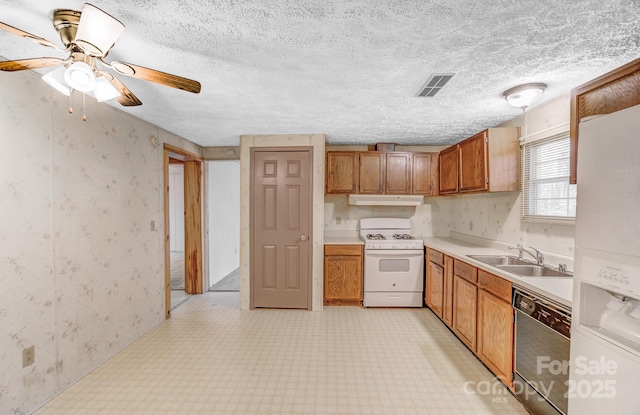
(386,200)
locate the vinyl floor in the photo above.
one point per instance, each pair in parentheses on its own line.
(213,358)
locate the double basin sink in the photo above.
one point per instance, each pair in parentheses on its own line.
(520,267)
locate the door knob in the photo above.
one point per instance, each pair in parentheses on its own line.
(304,237)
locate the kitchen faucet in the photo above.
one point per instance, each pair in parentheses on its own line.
(539,256)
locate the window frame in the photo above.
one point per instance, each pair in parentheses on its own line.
(527,198)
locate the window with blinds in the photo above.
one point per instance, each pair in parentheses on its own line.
(546,192)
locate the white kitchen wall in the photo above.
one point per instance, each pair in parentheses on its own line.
(81,237)
(491,217)
(176,207)
(223,195)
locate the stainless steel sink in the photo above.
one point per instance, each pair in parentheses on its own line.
(519,267)
(531,270)
(496,260)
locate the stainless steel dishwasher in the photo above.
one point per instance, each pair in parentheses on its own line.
(542,353)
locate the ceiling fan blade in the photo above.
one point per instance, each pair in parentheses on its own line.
(152,75)
(32,37)
(126,98)
(35,63)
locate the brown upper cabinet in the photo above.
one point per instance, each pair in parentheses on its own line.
(611,92)
(385,173)
(448,171)
(378,172)
(474,164)
(372,172)
(486,162)
(424,174)
(342,172)
(398,173)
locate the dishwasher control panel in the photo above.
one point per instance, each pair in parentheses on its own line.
(547,314)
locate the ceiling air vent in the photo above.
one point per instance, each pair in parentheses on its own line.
(435,84)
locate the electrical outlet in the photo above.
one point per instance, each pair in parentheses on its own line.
(470,225)
(28,356)
(153,225)
(338,220)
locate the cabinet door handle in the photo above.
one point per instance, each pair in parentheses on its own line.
(304,237)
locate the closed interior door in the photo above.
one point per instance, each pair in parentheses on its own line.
(281,224)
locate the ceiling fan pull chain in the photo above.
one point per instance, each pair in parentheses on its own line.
(70,108)
(84,116)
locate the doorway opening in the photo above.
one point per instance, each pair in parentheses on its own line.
(176,232)
(188,229)
(223,217)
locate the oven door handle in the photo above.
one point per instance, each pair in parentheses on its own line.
(393,252)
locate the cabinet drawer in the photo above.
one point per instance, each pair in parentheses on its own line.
(343,249)
(436,257)
(466,271)
(499,287)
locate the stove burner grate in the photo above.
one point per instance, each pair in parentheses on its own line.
(403,236)
(375,236)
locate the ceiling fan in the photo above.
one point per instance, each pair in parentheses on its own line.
(88,36)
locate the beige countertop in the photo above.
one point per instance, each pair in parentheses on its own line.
(342,238)
(559,290)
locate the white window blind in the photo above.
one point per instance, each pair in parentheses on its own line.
(546,192)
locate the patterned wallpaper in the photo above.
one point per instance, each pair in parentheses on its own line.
(81,270)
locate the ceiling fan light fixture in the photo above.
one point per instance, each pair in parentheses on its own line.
(104,91)
(97,31)
(521,96)
(55,78)
(80,76)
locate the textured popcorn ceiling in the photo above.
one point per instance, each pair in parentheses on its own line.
(350,69)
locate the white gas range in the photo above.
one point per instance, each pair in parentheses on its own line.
(393,263)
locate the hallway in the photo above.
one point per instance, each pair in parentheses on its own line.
(213,358)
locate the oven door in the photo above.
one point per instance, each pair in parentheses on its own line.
(393,270)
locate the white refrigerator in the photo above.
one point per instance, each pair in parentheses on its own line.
(605,333)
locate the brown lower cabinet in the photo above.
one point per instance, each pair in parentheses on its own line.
(439,284)
(476,305)
(343,274)
(465,302)
(434,281)
(495,325)
(447,302)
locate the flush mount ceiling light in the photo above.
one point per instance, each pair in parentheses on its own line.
(522,96)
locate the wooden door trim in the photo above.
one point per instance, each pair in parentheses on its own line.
(252,151)
(171,152)
(167,247)
(193,227)
(181,154)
